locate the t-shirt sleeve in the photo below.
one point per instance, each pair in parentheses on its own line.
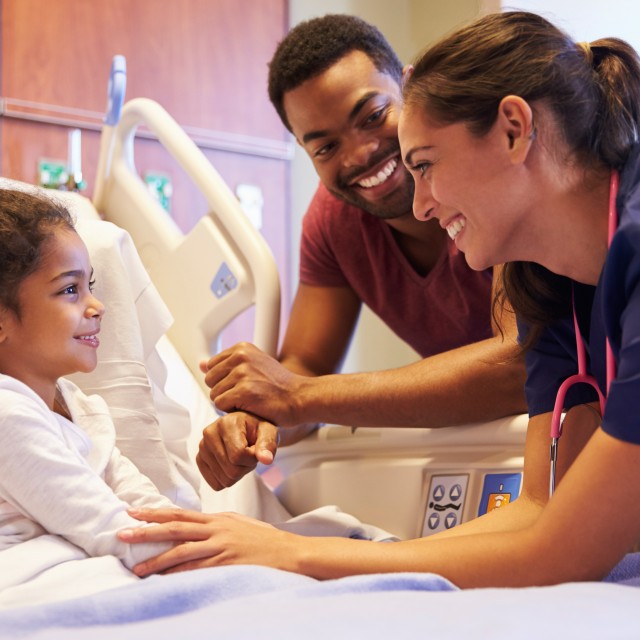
(318,263)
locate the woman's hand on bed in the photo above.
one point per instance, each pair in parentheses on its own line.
(232,446)
(244,378)
(206,540)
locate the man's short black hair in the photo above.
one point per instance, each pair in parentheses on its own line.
(313,46)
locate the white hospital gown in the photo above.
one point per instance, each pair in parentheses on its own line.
(68,478)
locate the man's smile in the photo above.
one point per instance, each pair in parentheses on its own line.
(380,177)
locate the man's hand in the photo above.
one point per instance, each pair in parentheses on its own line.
(232,446)
(243,378)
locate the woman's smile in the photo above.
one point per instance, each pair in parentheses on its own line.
(455,226)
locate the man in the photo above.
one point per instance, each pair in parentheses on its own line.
(336,84)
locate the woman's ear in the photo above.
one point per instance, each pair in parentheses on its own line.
(515,119)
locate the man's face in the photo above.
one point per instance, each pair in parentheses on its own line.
(346,119)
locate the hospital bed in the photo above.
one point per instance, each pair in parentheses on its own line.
(407,482)
(446,476)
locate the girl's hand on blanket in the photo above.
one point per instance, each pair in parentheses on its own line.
(232,446)
(245,378)
(207,540)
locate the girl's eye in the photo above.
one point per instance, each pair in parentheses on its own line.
(92,284)
(72,289)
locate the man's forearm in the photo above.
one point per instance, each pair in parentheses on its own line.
(291,435)
(478,382)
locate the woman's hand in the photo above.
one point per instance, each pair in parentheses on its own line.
(207,540)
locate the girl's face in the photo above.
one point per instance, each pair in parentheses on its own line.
(57,333)
(467,183)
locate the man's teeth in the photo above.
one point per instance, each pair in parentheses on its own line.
(380,177)
(456,227)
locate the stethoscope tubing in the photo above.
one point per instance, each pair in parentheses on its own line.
(582,376)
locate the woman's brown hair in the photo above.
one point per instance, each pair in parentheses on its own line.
(591,90)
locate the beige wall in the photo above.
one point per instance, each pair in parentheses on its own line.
(431,20)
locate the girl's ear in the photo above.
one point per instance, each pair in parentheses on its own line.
(515,119)
(4,324)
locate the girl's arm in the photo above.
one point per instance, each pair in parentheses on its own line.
(50,483)
(130,485)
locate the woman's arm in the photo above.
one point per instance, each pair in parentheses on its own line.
(578,535)
(239,535)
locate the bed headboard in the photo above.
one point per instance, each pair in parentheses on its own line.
(207,276)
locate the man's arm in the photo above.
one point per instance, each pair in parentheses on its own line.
(477,382)
(320,327)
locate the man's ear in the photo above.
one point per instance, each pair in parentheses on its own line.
(407,70)
(515,119)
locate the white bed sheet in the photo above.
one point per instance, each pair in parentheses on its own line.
(249,602)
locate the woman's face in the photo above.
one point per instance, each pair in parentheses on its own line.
(469,183)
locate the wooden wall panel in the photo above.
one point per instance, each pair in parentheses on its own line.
(205,61)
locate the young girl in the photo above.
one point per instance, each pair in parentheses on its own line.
(60,472)
(524,145)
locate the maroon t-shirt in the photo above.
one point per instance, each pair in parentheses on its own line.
(344,246)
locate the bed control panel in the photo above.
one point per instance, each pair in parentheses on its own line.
(224,281)
(445,504)
(455,497)
(499,489)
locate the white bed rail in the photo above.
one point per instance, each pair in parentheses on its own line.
(207,277)
(391,477)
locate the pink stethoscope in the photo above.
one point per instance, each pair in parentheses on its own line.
(582,376)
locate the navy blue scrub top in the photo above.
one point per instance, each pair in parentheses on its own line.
(611,309)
